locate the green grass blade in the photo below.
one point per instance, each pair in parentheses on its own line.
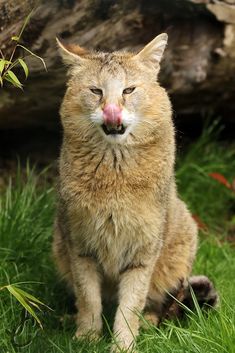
(14,291)
(31,297)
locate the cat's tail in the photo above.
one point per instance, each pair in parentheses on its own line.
(204,291)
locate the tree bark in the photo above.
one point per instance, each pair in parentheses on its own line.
(198,69)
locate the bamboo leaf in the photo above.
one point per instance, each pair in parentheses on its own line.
(26,21)
(31,297)
(24,66)
(35,55)
(6,61)
(36,305)
(2,65)
(13,79)
(11,64)
(14,291)
(7,78)
(15,38)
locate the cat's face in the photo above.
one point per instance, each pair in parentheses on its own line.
(112,94)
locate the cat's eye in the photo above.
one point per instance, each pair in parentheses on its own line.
(128,90)
(96,91)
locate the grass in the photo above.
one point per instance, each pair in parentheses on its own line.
(26,218)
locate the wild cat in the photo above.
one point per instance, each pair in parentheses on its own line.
(120,227)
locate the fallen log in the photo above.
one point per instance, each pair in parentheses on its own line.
(198,69)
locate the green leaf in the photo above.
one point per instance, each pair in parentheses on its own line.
(15,292)
(31,297)
(35,55)
(26,21)
(34,304)
(1,82)
(7,78)
(6,61)
(13,79)
(2,65)
(15,38)
(24,66)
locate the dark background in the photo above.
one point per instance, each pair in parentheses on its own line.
(197,70)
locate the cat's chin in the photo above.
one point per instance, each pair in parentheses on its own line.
(115,136)
(113,130)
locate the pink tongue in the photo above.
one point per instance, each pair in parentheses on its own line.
(112,114)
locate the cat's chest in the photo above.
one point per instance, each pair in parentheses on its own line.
(113,235)
(111,175)
(112,194)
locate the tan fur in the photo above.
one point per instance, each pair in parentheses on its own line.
(120,223)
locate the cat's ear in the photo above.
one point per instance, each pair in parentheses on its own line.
(152,53)
(71,54)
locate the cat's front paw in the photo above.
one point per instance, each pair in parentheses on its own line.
(116,349)
(88,328)
(88,334)
(123,346)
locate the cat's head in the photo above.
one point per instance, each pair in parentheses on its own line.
(115,95)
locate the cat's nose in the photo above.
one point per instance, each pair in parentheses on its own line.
(112,114)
